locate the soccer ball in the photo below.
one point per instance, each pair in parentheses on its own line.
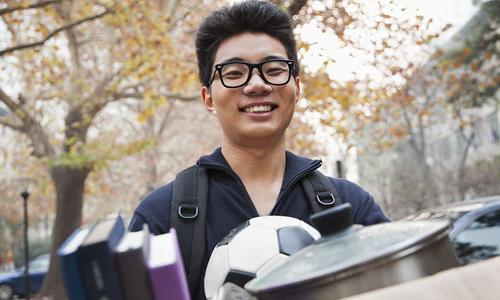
(254,248)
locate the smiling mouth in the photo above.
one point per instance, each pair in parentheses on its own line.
(259,108)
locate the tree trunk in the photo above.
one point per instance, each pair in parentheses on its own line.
(69,183)
(462,165)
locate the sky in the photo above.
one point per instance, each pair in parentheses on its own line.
(455,12)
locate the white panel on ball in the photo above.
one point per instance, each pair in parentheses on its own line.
(251,248)
(217,270)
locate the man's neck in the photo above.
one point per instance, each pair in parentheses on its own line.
(264,164)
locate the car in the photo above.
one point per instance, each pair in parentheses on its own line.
(475,227)
(13,283)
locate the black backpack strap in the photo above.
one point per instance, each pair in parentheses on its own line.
(320,191)
(188,214)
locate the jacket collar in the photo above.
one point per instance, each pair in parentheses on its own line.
(296,166)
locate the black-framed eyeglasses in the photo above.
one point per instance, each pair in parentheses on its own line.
(237,74)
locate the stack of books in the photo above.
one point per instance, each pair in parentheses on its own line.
(103,261)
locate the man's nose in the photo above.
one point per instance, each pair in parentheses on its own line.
(256,84)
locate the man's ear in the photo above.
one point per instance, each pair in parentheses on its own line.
(297,89)
(206,99)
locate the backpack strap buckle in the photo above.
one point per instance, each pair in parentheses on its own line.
(325,198)
(188,211)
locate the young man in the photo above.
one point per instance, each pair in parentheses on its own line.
(249,71)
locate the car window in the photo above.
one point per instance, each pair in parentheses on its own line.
(39,264)
(480,240)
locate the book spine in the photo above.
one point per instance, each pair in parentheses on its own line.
(169,282)
(99,273)
(72,279)
(134,277)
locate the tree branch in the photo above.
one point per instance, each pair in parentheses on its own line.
(8,122)
(186,98)
(17,111)
(30,126)
(8,10)
(100,89)
(172,7)
(11,104)
(53,33)
(166,120)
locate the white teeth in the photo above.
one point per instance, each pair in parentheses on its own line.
(260,108)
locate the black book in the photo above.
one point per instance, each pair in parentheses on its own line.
(130,255)
(96,260)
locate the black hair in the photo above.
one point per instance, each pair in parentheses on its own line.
(248,16)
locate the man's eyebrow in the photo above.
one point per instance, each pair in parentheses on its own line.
(239,59)
(232,59)
(274,57)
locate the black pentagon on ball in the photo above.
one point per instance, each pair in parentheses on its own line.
(232,233)
(293,238)
(240,278)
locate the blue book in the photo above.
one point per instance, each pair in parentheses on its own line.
(96,260)
(72,279)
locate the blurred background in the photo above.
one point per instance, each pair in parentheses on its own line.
(99,104)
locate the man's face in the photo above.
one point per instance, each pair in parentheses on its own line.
(257,112)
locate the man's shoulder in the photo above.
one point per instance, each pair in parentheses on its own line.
(157,198)
(364,208)
(348,188)
(154,210)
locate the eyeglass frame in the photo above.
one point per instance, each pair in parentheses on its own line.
(218,70)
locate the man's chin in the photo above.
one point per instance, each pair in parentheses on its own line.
(262,136)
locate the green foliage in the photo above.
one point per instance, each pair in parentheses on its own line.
(71,160)
(98,154)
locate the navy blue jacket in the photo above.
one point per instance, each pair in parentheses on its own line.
(230,205)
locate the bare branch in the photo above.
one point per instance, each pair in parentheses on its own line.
(100,89)
(53,33)
(166,120)
(8,10)
(39,139)
(172,7)
(11,104)
(80,117)
(29,126)
(8,121)
(9,26)
(64,13)
(186,98)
